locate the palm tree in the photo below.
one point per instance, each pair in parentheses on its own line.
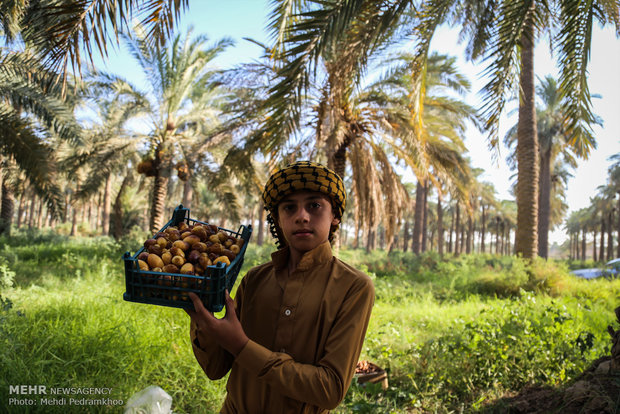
(110,148)
(57,32)
(434,149)
(184,103)
(32,113)
(614,184)
(598,206)
(504,32)
(555,153)
(487,201)
(609,208)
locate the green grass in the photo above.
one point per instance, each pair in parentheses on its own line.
(453,333)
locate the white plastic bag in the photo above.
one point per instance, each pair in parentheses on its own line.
(151,400)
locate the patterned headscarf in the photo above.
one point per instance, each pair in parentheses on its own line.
(302,175)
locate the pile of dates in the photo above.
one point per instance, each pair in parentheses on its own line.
(187,250)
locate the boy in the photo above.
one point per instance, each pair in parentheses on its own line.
(293,335)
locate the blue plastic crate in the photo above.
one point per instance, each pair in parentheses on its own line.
(170,289)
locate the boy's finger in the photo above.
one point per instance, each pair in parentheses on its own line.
(199,308)
(191,313)
(230,305)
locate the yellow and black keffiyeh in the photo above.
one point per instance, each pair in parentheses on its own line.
(299,176)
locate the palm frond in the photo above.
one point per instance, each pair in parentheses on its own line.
(503,52)
(11,14)
(29,87)
(57,30)
(575,38)
(20,140)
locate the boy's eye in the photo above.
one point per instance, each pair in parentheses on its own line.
(315,205)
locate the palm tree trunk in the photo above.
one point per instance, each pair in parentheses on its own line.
(470,231)
(163,161)
(20,208)
(65,213)
(7,210)
(418,218)
(601,251)
(107,197)
(618,232)
(160,190)
(406,236)
(576,246)
(339,161)
(370,240)
(40,215)
(594,246)
(74,222)
(575,252)
(504,238)
(483,229)
(99,207)
(33,202)
(508,245)
(527,148)
(610,235)
(74,212)
(425,217)
(188,192)
(89,217)
(117,225)
(497,221)
(451,232)
(439,226)
(583,244)
(84,215)
(544,203)
(457,227)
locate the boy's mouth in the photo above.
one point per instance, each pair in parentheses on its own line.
(302,232)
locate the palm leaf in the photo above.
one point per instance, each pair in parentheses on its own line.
(58,29)
(20,140)
(575,38)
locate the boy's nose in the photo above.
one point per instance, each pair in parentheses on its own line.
(302,215)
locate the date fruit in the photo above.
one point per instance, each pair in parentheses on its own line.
(188,250)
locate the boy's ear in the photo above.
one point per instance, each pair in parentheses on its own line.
(335,221)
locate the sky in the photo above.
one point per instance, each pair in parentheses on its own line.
(248,18)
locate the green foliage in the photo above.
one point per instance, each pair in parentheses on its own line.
(134,239)
(452,333)
(507,347)
(6,274)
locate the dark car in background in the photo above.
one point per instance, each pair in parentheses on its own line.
(611,269)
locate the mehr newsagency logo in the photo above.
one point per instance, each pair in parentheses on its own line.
(42,395)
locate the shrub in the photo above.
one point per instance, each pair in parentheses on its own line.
(7,276)
(547,276)
(501,284)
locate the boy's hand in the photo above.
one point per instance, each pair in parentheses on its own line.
(226,331)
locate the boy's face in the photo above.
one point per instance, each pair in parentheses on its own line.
(305,218)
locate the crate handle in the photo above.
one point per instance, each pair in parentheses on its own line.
(179,214)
